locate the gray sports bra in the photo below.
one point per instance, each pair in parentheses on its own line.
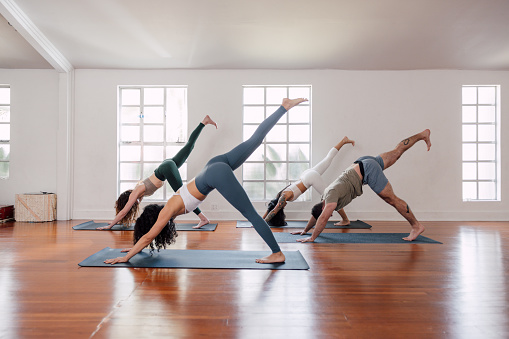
(150,188)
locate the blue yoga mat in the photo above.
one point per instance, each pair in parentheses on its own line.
(357,224)
(356,238)
(197,259)
(92,226)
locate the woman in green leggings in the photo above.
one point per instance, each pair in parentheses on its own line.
(127,203)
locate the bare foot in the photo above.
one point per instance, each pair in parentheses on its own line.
(342,223)
(208,121)
(427,139)
(273,258)
(348,141)
(414,233)
(289,103)
(202,223)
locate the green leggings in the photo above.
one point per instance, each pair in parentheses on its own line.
(169,169)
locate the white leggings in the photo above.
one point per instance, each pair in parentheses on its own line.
(313,176)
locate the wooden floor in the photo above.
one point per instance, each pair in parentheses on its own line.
(454,290)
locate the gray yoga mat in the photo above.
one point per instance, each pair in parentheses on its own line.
(197,259)
(92,226)
(356,238)
(357,224)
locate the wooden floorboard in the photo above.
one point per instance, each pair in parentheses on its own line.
(458,289)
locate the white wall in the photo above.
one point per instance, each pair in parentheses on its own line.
(34,126)
(377,109)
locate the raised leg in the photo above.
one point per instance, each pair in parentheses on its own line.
(387,194)
(184,153)
(391,157)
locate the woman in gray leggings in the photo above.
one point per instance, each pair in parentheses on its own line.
(217,174)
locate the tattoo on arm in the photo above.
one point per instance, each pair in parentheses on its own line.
(406,141)
(279,206)
(407,208)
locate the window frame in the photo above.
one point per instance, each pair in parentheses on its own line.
(497,156)
(6,142)
(182,131)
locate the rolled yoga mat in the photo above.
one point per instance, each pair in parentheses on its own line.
(356,238)
(197,259)
(92,226)
(357,224)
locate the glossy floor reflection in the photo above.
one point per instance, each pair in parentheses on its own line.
(454,290)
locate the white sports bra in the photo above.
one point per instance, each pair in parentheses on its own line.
(296,191)
(190,201)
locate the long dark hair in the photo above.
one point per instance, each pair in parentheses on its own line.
(122,200)
(279,218)
(144,224)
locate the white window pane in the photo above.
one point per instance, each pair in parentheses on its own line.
(171,151)
(469,152)
(153,153)
(130,96)
(5,114)
(298,152)
(271,109)
(469,171)
(176,99)
(299,114)
(248,131)
(486,132)
(276,152)
(469,191)
(273,188)
(254,96)
(153,96)
(4,169)
(275,95)
(254,190)
(5,132)
(487,171)
(153,133)
(130,115)
(299,133)
(486,114)
(253,114)
(306,196)
(252,171)
(130,153)
(130,133)
(175,132)
(124,186)
(486,95)
(487,190)
(275,171)
(130,171)
(299,92)
(277,134)
(486,152)
(469,114)
(148,168)
(469,133)
(183,172)
(469,95)
(153,115)
(169,191)
(295,170)
(257,155)
(5,96)
(5,150)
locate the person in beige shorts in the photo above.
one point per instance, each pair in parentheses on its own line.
(365,170)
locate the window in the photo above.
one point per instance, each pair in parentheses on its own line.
(152,127)
(285,152)
(5,130)
(481,146)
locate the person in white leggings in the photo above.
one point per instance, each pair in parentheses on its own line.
(312,177)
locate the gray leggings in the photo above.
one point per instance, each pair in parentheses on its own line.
(218,174)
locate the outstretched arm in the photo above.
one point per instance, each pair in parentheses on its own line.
(132,199)
(280,204)
(321,222)
(168,211)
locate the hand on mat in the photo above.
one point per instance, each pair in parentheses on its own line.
(305,240)
(125,249)
(115,261)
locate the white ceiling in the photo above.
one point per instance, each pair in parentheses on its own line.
(262,34)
